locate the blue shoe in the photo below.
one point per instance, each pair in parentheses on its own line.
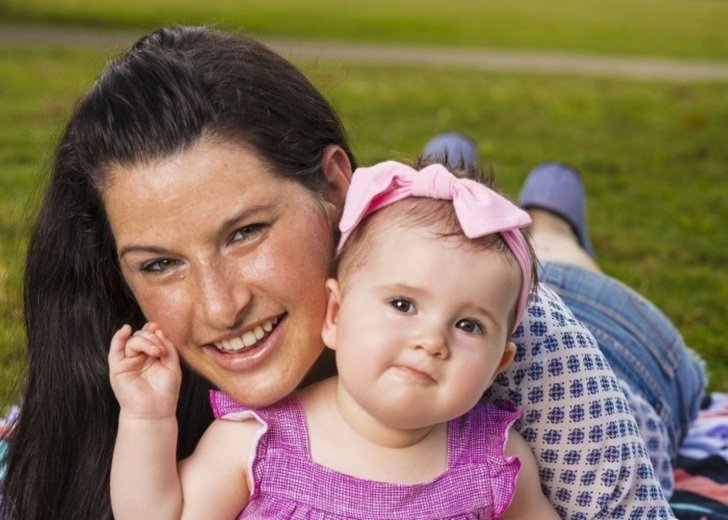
(453,149)
(557,188)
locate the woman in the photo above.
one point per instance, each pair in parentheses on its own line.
(198,185)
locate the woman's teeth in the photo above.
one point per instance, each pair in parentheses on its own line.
(248,339)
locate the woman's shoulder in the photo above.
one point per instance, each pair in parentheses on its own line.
(547,314)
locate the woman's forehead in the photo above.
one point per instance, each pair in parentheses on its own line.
(207,182)
(196,163)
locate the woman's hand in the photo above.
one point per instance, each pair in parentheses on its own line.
(144,371)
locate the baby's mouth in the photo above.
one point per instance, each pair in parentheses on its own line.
(248,340)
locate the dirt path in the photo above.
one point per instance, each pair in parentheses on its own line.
(479,59)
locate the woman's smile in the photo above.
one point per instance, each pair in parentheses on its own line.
(247,340)
(247,357)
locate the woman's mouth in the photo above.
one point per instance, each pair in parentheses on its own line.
(248,340)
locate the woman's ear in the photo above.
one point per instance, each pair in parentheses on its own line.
(337,168)
(331,319)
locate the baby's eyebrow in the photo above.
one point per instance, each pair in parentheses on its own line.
(399,287)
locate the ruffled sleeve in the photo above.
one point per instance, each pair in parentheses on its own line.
(226,408)
(489,426)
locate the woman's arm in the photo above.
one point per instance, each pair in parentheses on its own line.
(576,419)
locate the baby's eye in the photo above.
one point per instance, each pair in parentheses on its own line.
(158,266)
(403,305)
(469,326)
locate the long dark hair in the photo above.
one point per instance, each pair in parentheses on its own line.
(172,88)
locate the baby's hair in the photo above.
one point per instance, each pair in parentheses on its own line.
(436,214)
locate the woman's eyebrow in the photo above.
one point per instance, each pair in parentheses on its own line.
(141,248)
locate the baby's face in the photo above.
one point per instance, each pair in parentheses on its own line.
(423,326)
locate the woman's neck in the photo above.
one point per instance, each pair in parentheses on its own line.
(325,366)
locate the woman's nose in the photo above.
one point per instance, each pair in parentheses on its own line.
(223,297)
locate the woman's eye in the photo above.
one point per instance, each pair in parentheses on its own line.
(469,326)
(403,305)
(248,232)
(158,266)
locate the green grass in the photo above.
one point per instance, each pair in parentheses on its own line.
(653,156)
(677,28)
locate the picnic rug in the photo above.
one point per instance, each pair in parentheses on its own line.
(701,472)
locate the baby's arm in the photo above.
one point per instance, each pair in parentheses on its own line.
(528,502)
(146,481)
(215,479)
(145,376)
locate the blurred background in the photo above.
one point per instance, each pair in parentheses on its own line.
(634,94)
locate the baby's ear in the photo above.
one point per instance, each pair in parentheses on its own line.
(333,304)
(508,354)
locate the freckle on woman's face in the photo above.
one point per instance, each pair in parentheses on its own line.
(229,260)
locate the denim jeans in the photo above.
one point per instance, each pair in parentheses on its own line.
(643,347)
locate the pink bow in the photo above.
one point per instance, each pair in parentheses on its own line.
(480,210)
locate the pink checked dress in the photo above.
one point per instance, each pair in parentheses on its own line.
(478,484)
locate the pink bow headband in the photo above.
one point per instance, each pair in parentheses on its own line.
(480,210)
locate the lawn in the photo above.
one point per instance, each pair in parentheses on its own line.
(676,28)
(653,154)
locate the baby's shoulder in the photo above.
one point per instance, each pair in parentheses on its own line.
(233,433)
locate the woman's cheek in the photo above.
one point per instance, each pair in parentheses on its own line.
(167,307)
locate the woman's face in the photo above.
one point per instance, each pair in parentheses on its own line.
(230,261)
